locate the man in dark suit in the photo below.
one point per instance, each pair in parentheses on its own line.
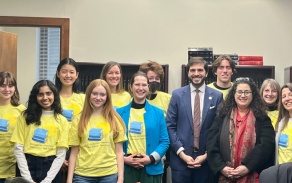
(188,145)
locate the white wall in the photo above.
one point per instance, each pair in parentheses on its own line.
(131,31)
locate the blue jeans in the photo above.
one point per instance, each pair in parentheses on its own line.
(105,179)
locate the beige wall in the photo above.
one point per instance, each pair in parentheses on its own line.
(131,31)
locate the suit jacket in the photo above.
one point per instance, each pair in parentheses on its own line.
(179,121)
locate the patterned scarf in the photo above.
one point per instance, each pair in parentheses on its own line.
(242,138)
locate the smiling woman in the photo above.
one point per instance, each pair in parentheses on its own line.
(235,152)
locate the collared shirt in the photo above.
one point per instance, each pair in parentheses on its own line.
(202,94)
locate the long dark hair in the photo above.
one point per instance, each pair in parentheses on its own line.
(257,104)
(33,112)
(8,76)
(76,85)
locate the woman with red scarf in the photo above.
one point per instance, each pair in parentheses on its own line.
(241,140)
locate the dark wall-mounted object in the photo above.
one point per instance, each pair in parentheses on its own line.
(288,75)
(90,71)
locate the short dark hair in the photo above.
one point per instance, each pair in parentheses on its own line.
(197,60)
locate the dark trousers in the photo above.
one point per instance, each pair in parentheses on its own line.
(38,168)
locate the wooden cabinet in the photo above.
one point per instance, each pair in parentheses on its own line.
(91,71)
(257,73)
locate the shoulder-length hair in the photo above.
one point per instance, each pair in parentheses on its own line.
(274,85)
(105,70)
(108,112)
(9,78)
(283,113)
(33,112)
(76,85)
(257,105)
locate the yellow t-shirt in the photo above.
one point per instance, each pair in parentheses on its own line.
(74,103)
(285,144)
(42,140)
(161,101)
(137,138)
(121,99)
(8,116)
(223,91)
(273,116)
(96,155)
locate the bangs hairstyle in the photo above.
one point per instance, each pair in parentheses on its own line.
(108,112)
(9,78)
(153,66)
(195,61)
(274,86)
(257,104)
(283,113)
(76,85)
(33,112)
(105,70)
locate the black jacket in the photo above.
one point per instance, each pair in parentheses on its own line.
(258,159)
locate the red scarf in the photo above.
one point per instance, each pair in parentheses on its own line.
(242,140)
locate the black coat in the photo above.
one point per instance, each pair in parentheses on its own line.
(258,159)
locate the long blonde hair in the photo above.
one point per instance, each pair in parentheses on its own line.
(108,112)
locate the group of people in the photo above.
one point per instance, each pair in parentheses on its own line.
(222,132)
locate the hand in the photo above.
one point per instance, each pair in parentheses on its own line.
(134,162)
(64,167)
(226,171)
(200,159)
(189,160)
(240,171)
(145,160)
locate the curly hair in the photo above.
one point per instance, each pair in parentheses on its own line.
(153,66)
(33,112)
(257,104)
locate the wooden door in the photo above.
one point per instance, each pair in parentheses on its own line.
(8,52)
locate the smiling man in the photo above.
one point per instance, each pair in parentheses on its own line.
(223,68)
(190,114)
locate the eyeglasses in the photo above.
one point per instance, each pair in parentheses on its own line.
(243,79)
(245,92)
